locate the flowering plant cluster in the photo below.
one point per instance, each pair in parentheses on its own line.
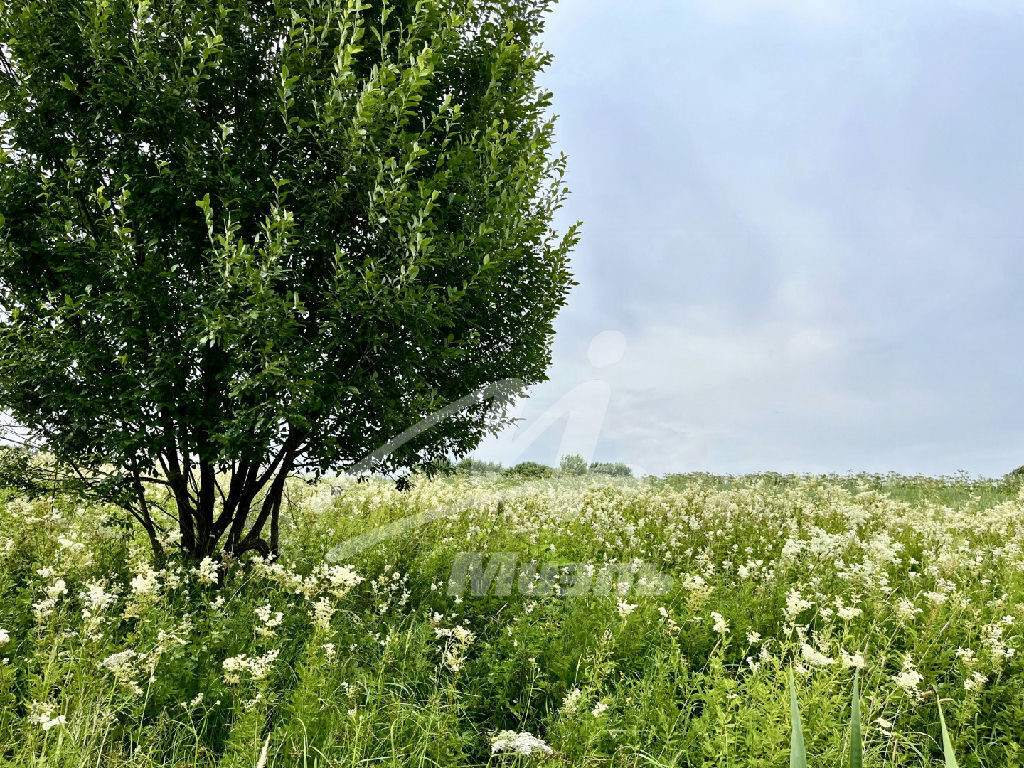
(917,585)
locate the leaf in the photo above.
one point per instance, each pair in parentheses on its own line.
(797,752)
(856,742)
(947,746)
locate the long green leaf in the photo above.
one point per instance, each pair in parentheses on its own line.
(797,752)
(947,746)
(856,747)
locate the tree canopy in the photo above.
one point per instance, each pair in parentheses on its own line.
(246,238)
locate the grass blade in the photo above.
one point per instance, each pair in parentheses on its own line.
(856,743)
(797,752)
(947,746)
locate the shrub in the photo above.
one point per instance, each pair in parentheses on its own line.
(529,469)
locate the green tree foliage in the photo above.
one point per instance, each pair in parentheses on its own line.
(470,466)
(573,464)
(250,237)
(614,469)
(530,470)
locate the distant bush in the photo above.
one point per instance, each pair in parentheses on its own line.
(530,469)
(615,469)
(573,464)
(478,467)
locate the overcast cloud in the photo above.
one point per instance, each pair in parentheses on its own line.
(805,218)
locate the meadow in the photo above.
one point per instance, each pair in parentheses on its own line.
(375,655)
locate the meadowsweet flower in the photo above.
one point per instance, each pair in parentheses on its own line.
(975,682)
(206,571)
(524,744)
(796,604)
(625,608)
(53,591)
(322,613)
(260,666)
(852,661)
(457,642)
(966,655)
(906,610)
(257,666)
(5,637)
(599,709)
(814,657)
(146,582)
(125,667)
(342,579)
(233,667)
(145,591)
(572,701)
(909,679)
(846,612)
(96,601)
(43,715)
(721,626)
(269,621)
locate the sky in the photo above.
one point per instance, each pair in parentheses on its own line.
(803,230)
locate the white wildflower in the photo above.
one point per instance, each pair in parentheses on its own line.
(796,604)
(206,571)
(524,744)
(909,679)
(975,682)
(572,700)
(322,613)
(341,579)
(42,714)
(125,667)
(852,661)
(269,620)
(721,626)
(814,657)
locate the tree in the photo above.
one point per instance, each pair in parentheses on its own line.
(573,464)
(614,469)
(247,238)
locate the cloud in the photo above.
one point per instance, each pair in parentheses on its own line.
(808,11)
(805,223)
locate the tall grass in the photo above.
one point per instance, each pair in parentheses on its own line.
(909,593)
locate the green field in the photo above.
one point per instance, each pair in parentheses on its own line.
(637,623)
